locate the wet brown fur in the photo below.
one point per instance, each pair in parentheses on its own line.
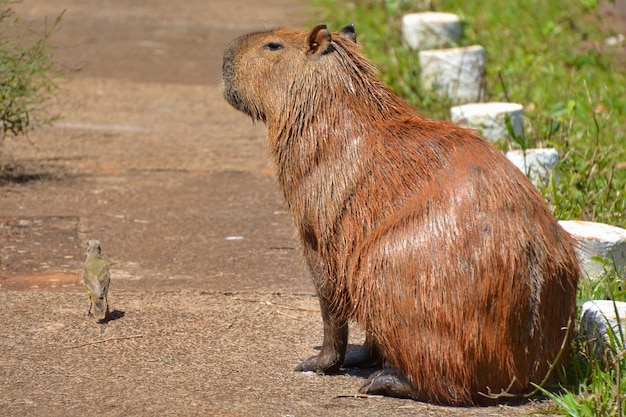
(419,230)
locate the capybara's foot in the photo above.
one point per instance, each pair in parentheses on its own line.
(367,356)
(388,382)
(322,364)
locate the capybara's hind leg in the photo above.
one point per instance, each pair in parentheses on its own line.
(389,382)
(366,357)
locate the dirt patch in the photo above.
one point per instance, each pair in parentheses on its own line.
(44,282)
(38,244)
(612,17)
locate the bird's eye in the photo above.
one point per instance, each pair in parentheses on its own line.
(273,46)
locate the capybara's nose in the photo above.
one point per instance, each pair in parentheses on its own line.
(230,57)
(228,65)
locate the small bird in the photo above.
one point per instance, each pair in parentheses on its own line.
(96,279)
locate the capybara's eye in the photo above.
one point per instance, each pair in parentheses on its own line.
(273,46)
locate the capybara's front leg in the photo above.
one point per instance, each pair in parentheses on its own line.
(334,345)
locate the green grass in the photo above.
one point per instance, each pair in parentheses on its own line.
(549,57)
(540,54)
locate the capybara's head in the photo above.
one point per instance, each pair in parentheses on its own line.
(261,69)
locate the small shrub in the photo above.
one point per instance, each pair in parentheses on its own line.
(27,74)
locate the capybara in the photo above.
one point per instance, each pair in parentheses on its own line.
(420,230)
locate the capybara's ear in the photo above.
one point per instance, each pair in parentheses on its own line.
(349,32)
(319,41)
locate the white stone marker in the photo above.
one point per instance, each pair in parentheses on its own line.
(457,73)
(596,318)
(431,30)
(536,163)
(488,118)
(598,240)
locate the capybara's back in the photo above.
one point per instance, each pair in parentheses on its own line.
(419,230)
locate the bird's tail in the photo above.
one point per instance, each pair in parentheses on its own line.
(99,308)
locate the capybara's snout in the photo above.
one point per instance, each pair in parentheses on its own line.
(229,63)
(229,74)
(240,73)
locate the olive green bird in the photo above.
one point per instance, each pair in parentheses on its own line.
(96,279)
